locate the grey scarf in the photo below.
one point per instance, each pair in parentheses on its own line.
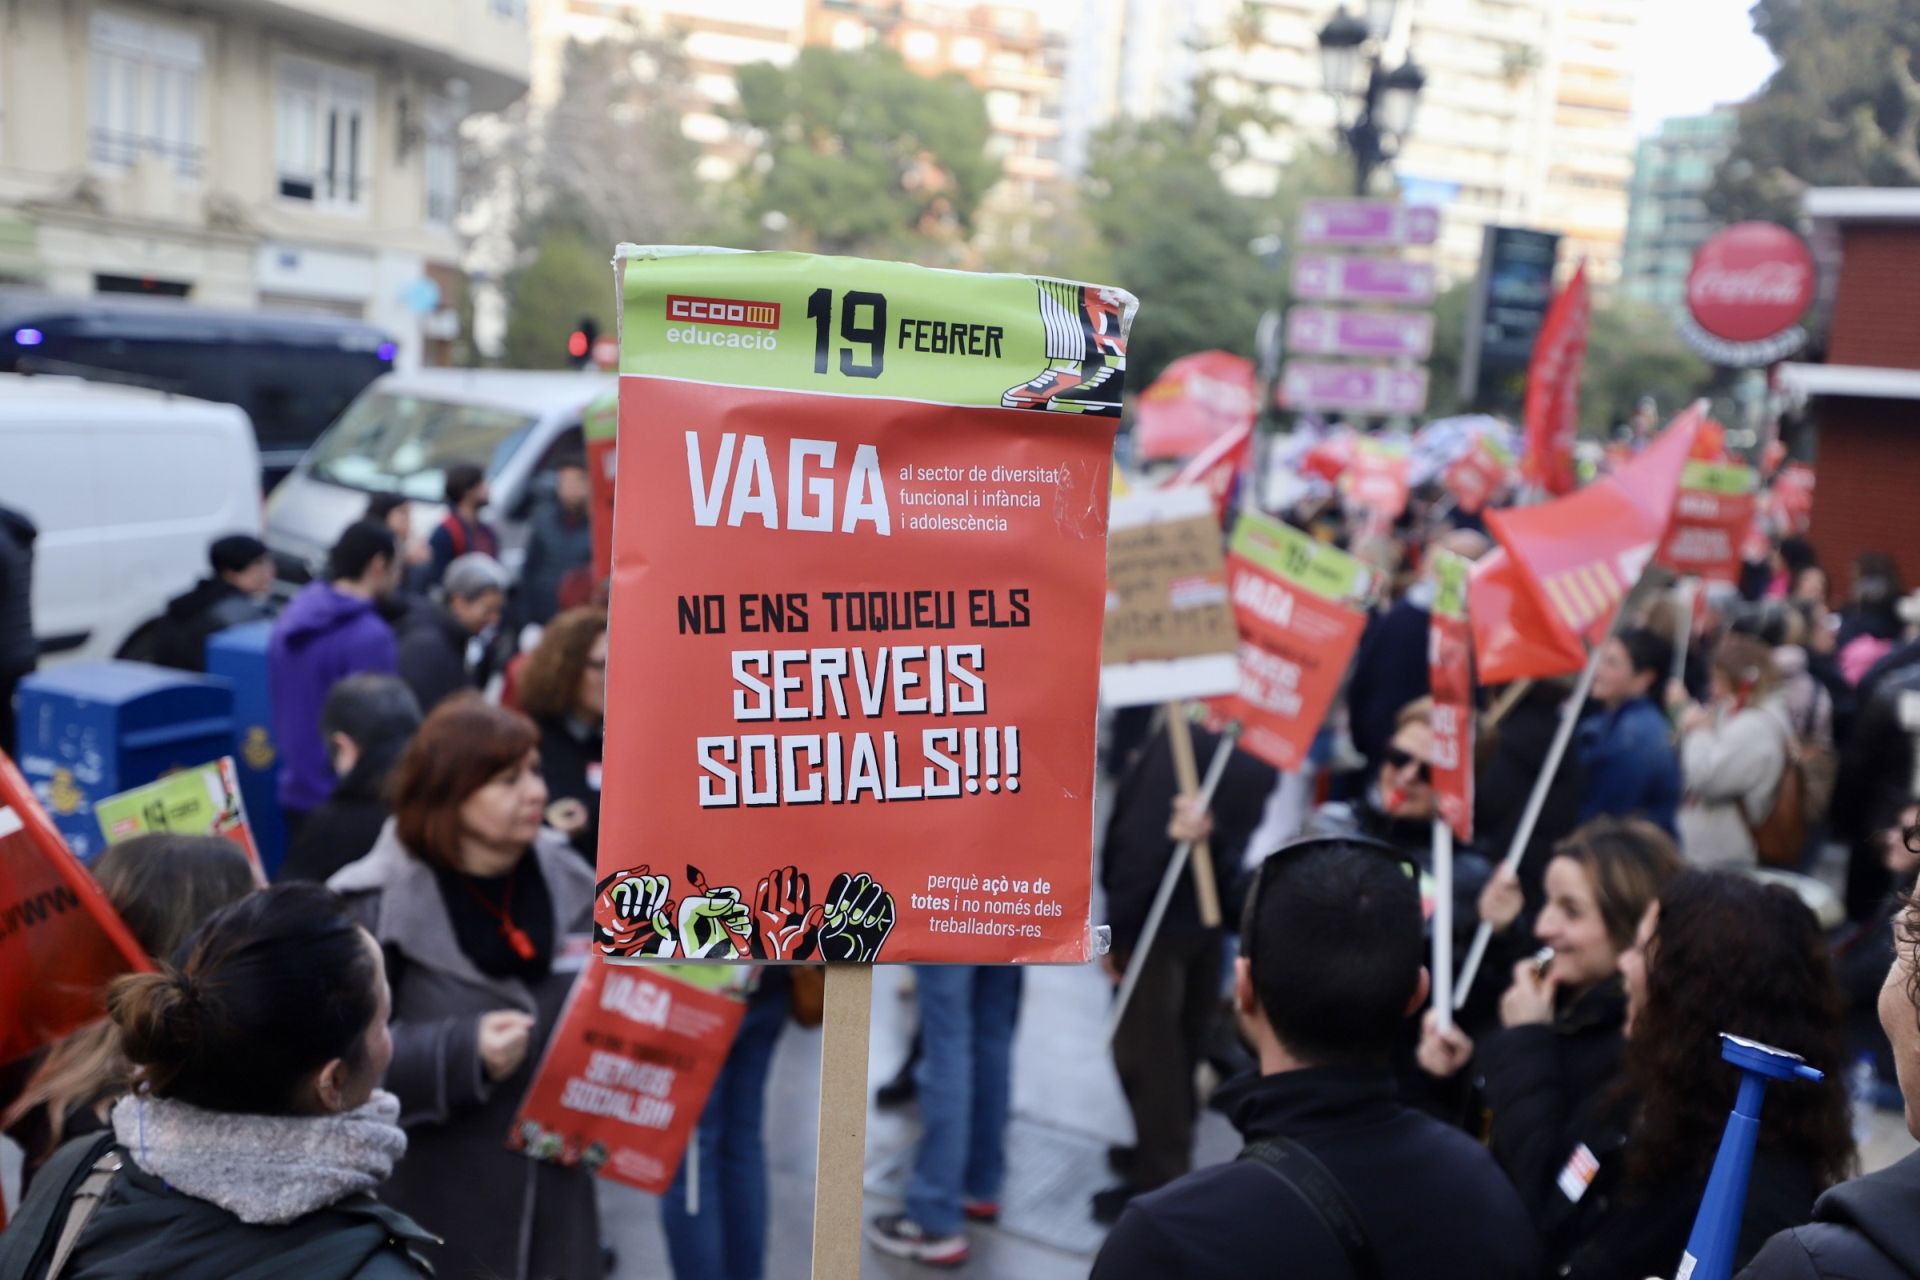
(262,1169)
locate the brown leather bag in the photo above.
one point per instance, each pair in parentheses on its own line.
(1780,838)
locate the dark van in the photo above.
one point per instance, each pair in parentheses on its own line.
(292,373)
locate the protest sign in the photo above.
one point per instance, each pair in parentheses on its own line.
(1198,399)
(1450,676)
(1478,475)
(599,427)
(1712,514)
(1300,609)
(1378,479)
(202,801)
(859,570)
(626,1074)
(1169,630)
(60,941)
(1221,469)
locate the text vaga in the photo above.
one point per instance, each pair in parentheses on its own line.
(741,480)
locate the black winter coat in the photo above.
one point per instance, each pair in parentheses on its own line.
(1503,782)
(1867,1229)
(1617,1230)
(1389,671)
(19,649)
(343,829)
(178,638)
(1136,851)
(1431,1201)
(571,764)
(433,655)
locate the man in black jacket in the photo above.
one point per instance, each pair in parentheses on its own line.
(235,592)
(1339,1180)
(368,721)
(1161,1039)
(434,638)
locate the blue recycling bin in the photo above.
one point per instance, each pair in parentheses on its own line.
(92,730)
(238,655)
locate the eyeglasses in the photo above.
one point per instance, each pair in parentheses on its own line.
(1299,848)
(1397,760)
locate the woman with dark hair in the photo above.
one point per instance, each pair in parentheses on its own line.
(1873,611)
(1625,741)
(162,886)
(1560,1036)
(564,689)
(255,1133)
(1733,752)
(484,916)
(1717,953)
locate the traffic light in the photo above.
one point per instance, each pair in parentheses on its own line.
(580,342)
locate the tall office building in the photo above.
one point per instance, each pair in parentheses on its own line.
(1667,219)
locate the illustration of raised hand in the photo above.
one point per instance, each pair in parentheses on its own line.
(859,917)
(633,915)
(783,922)
(714,923)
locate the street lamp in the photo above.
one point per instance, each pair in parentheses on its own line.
(1374,105)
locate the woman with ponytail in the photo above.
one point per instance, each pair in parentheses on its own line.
(255,1133)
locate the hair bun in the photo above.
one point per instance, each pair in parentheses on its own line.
(156,1014)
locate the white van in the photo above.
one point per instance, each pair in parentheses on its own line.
(401,435)
(128,488)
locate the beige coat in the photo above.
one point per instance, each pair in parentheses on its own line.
(1726,768)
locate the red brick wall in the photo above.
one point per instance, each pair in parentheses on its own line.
(1876,319)
(1868,495)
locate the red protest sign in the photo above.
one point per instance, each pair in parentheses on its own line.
(858,593)
(1580,555)
(1712,515)
(1292,602)
(1450,676)
(1378,480)
(1220,468)
(60,940)
(1478,475)
(1196,400)
(1553,388)
(1513,638)
(626,1075)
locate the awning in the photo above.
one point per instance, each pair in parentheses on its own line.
(1865,381)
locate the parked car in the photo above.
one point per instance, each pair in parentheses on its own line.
(292,373)
(403,432)
(128,488)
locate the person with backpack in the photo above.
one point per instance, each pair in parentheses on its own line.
(256,1131)
(1338,1178)
(1734,755)
(235,592)
(462,532)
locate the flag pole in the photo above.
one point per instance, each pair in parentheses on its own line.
(1537,799)
(1443,996)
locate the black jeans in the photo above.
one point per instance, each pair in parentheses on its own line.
(1159,1044)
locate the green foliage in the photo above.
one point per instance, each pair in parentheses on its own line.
(567,278)
(1449,340)
(862,155)
(1842,110)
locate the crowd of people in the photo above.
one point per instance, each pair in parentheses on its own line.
(326,1069)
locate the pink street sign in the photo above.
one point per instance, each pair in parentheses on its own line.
(1368,223)
(1322,332)
(1353,388)
(1330,277)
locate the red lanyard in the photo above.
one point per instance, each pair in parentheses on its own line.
(516,937)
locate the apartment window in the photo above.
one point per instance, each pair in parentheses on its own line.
(921,46)
(969,52)
(146,93)
(442,155)
(323,134)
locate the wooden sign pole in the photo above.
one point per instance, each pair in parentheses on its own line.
(1186,771)
(840,1168)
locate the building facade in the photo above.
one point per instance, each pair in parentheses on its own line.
(1667,217)
(251,153)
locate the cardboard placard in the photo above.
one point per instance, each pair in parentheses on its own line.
(1299,606)
(1169,630)
(1712,513)
(202,801)
(626,1074)
(857,596)
(60,941)
(1450,675)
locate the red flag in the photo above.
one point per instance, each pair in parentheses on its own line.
(1450,675)
(1512,638)
(1553,388)
(60,941)
(1220,468)
(1580,555)
(1198,399)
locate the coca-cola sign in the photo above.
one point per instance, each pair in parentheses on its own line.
(1749,286)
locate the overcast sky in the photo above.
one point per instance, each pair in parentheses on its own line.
(1695,54)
